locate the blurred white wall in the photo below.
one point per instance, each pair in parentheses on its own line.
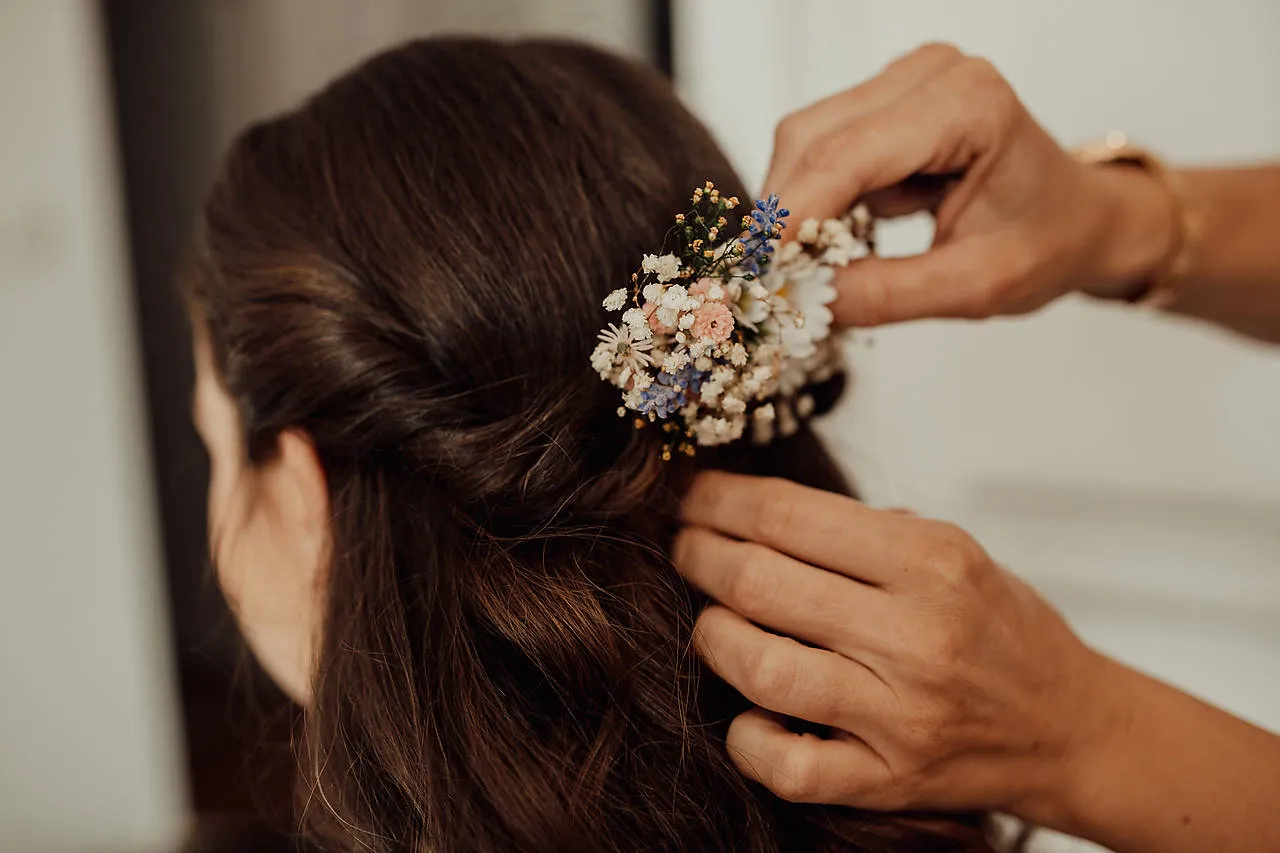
(89,745)
(1129,465)
(270,54)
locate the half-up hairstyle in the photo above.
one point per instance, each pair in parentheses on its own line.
(410,268)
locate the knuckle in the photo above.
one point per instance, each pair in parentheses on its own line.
(922,733)
(754,586)
(823,155)
(941,651)
(990,89)
(947,560)
(939,49)
(983,73)
(770,676)
(681,547)
(774,512)
(798,777)
(789,134)
(952,555)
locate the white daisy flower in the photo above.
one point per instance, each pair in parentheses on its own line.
(625,349)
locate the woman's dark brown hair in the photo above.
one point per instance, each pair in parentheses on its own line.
(410,268)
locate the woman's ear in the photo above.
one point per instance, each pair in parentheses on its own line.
(292,483)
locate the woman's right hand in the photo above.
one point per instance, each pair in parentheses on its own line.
(1019,221)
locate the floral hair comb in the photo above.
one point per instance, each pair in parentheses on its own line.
(723,330)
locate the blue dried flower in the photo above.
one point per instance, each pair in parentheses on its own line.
(766,220)
(669,392)
(767,214)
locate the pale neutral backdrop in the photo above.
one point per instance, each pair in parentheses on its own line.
(90,755)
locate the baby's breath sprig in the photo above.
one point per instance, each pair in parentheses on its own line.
(724,329)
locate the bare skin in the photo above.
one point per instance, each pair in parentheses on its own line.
(948,682)
(1019,222)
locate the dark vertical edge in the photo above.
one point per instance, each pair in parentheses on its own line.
(155,112)
(164,97)
(660,35)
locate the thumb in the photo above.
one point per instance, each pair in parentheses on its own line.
(956,279)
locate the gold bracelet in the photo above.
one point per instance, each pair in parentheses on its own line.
(1161,287)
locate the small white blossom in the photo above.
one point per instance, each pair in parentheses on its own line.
(712,430)
(666,316)
(738,355)
(675,360)
(635,320)
(686,321)
(804,405)
(615,300)
(653,292)
(734,405)
(665,267)
(674,297)
(808,232)
(602,360)
(715,292)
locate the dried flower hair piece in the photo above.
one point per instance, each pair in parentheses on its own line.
(722,334)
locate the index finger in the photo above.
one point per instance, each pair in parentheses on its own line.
(801,129)
(931,130)
(828,530)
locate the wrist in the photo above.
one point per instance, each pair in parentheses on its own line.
(1067,801)
(1135,230)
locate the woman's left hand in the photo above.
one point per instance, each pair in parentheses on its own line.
(948,682)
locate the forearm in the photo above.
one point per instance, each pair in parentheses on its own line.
(1167,772)
(1235,280)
